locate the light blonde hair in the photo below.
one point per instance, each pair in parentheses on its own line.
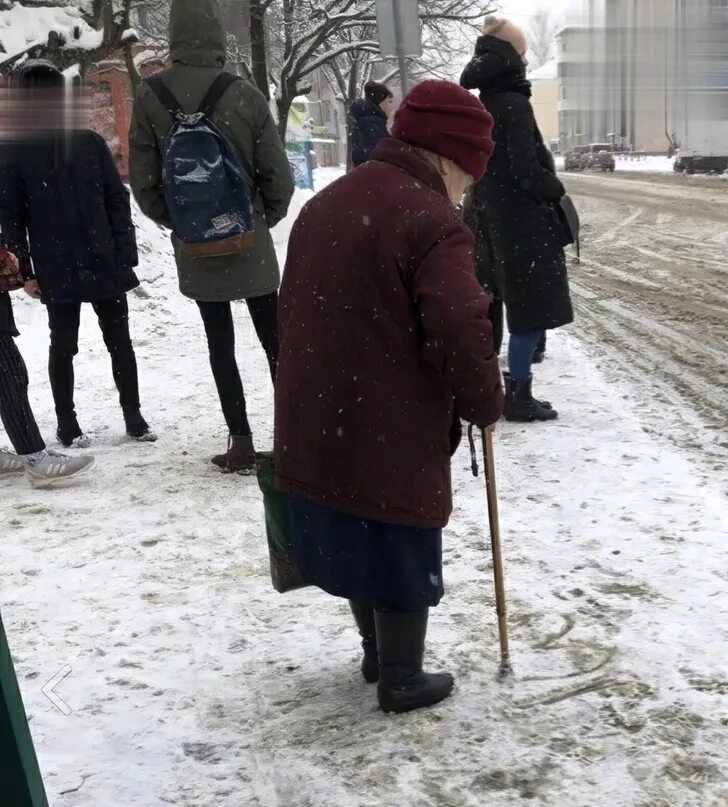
(493,25)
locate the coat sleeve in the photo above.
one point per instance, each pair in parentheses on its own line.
(474,214)
(469,78)
(274,176)
(523,154)
(116,199)
(358,149)
(14,215)
(368,132)
(145,165)
(458,336)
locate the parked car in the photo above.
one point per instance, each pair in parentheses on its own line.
(600,159)
(575,159)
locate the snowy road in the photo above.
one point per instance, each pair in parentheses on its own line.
(652,294)
(192,683)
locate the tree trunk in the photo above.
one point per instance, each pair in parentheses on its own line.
(351,96)
(284,107)
(258,49)
(131,67)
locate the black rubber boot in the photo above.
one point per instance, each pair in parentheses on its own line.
(364,615)
(403,686)
(68,429)
(137,428)
(545,404)
(521,407)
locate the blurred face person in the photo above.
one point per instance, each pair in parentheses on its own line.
(388,107)
(456,180)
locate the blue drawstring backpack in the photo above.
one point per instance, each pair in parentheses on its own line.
(208,192)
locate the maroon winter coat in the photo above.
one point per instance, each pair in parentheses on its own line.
(384,329)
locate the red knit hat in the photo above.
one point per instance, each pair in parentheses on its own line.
(444,118)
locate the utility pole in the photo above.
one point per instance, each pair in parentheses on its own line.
(400,34)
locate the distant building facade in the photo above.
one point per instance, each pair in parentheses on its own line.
(545,101)
(633,73)
(329,115)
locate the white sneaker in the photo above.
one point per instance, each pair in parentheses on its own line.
(48,466)
(10,463)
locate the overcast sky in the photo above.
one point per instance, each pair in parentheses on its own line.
(521,10)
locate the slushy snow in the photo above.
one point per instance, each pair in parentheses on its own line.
(193,683)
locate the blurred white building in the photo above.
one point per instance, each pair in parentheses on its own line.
(639,72)
(545,101)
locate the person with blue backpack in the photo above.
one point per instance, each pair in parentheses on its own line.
(206,162)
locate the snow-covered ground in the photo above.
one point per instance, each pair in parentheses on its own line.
(651,164)
(193,683)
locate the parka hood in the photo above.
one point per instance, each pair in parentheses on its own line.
(196,33)
(496,67)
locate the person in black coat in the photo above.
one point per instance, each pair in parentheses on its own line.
(369,118)
(520,238)
(65,213)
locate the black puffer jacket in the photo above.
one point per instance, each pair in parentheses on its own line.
(368,127)
(520,237)
(65,213)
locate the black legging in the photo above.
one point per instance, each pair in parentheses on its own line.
(64,320)
(15,411)
(220,330)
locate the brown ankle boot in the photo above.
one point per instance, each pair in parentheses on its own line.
(239,458)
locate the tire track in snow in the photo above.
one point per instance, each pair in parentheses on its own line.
(652,297)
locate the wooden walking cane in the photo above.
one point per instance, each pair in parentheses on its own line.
(500,588)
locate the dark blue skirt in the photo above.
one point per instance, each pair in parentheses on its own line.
(396,567)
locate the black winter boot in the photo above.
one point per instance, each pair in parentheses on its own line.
(239,458)
(363,611)
(68,429)
(521,407)
(403,686)
(137,428)
(545,404)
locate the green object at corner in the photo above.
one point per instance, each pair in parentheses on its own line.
(21,783)
(283,571)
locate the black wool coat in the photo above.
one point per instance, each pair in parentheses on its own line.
(515,205)
(368,127)
(65,213)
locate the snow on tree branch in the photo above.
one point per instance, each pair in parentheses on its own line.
(67,33)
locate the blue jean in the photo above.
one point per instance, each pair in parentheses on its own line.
(521,348)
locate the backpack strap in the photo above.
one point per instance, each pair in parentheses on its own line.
(218,88)
(164,95)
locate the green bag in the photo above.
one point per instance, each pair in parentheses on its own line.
(283,571)
(20,778)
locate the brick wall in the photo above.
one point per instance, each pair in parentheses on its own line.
(111,97)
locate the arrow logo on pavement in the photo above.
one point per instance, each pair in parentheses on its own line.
(49,690)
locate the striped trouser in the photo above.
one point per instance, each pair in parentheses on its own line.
(15,411)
